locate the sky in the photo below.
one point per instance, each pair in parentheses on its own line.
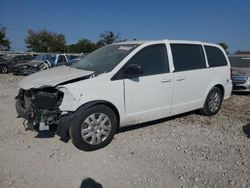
(209,21)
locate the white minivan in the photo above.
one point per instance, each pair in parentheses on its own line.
(125,84)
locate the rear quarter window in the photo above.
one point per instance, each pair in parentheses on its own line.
(215,56)
(188,57)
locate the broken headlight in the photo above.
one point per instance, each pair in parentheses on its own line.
(47,98)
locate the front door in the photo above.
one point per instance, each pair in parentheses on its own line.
(149,96)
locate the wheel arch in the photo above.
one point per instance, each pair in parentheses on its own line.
(221,87)
(101,102)
(46,63)
(65,122)
(205,110)
(217,84)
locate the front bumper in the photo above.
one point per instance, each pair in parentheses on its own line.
(241,87)
(241,83)
(41,111)
(24,70)
(63,126)
(63,123)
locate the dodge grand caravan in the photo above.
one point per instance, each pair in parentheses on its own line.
(124,84)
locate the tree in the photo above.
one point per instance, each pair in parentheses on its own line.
(4,41)
(224,46)
(108,38)
(83,45)
(45,41)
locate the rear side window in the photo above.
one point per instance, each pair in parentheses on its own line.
(215,56)
(188,57)
(152,59)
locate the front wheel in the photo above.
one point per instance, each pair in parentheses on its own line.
(94,128)
(213,102)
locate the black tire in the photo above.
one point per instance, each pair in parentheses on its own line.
(4,69)
(21,111)
(81,118)
(207,109)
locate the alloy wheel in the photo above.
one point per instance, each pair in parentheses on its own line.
(214,102)
(96,128)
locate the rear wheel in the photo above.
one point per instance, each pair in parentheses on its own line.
(94,128)
(213,102)
(4,69)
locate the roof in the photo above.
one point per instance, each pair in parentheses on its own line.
(166,40)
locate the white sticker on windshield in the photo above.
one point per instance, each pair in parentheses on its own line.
(124,48)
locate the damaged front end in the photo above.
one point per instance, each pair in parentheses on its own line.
(43,101)
(39,107)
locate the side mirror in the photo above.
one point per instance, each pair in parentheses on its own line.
(132,71)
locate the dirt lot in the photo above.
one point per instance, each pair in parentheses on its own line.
(184,151)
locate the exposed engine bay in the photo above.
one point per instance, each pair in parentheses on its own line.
(42,95)
(40,107)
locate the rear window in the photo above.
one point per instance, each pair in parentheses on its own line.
(215,56)
(188,57)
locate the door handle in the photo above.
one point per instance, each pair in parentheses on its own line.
(180,78)
(166,80)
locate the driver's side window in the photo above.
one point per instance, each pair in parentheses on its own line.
(152,59)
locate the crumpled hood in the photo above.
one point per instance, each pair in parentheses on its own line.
(52,77)
(241,71)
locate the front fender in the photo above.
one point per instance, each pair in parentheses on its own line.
(66,121)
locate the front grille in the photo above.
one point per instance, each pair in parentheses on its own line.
(25,70)
(238,88)
(238,82)
(239,79)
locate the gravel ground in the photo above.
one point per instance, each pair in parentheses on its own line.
(184,151)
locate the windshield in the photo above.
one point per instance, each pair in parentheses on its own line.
(240,61)
(106,58)
(49,57)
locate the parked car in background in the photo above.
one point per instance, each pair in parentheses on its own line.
(8,61)
(240,72)
(41,62)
